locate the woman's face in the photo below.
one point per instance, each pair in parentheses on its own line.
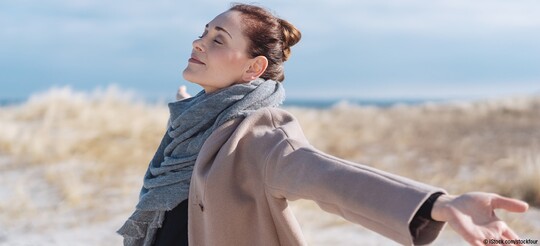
(219,57)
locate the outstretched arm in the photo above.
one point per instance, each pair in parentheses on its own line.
(472,215)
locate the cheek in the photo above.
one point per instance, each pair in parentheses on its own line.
(231,60)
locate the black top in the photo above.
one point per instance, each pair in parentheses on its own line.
(422,219)
(174,230)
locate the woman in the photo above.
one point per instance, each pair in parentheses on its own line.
(230,160)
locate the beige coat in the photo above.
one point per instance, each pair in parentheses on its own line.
(248,169)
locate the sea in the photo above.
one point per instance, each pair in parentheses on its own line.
(309,103)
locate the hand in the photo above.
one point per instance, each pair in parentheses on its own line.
(182,93)
(472,215)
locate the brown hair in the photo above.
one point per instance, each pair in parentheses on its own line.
(269,36)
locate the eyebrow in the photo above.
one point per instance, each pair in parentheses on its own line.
(221,29)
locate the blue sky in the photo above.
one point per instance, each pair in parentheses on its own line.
(350,49)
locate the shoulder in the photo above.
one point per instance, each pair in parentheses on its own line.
(259,122)
(273,119)
(271,116)
(270,125)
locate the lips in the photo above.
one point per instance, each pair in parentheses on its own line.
(193,59)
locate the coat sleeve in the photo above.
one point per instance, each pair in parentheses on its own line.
(379,201)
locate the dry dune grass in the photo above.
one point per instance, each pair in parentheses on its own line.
(72,155)
(79,151)
(487,145)
(106,126)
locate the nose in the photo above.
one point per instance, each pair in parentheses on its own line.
(197,45)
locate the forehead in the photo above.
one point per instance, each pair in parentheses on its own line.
(229,20)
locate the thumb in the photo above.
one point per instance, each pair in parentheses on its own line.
(182,93)
(509,204)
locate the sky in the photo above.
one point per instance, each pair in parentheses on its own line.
(359,49)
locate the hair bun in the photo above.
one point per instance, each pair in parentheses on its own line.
(290,36)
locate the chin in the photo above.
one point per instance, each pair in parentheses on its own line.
(189,77)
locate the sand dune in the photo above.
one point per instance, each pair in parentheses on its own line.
(71,163)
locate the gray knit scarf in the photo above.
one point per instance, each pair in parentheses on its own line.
(192,120)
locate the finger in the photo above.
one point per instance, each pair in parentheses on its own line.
(477,243)
(512,205)
(509,234)
(467,231)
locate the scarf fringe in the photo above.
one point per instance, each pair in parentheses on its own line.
(141,233)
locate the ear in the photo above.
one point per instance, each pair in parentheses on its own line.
(255,68)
